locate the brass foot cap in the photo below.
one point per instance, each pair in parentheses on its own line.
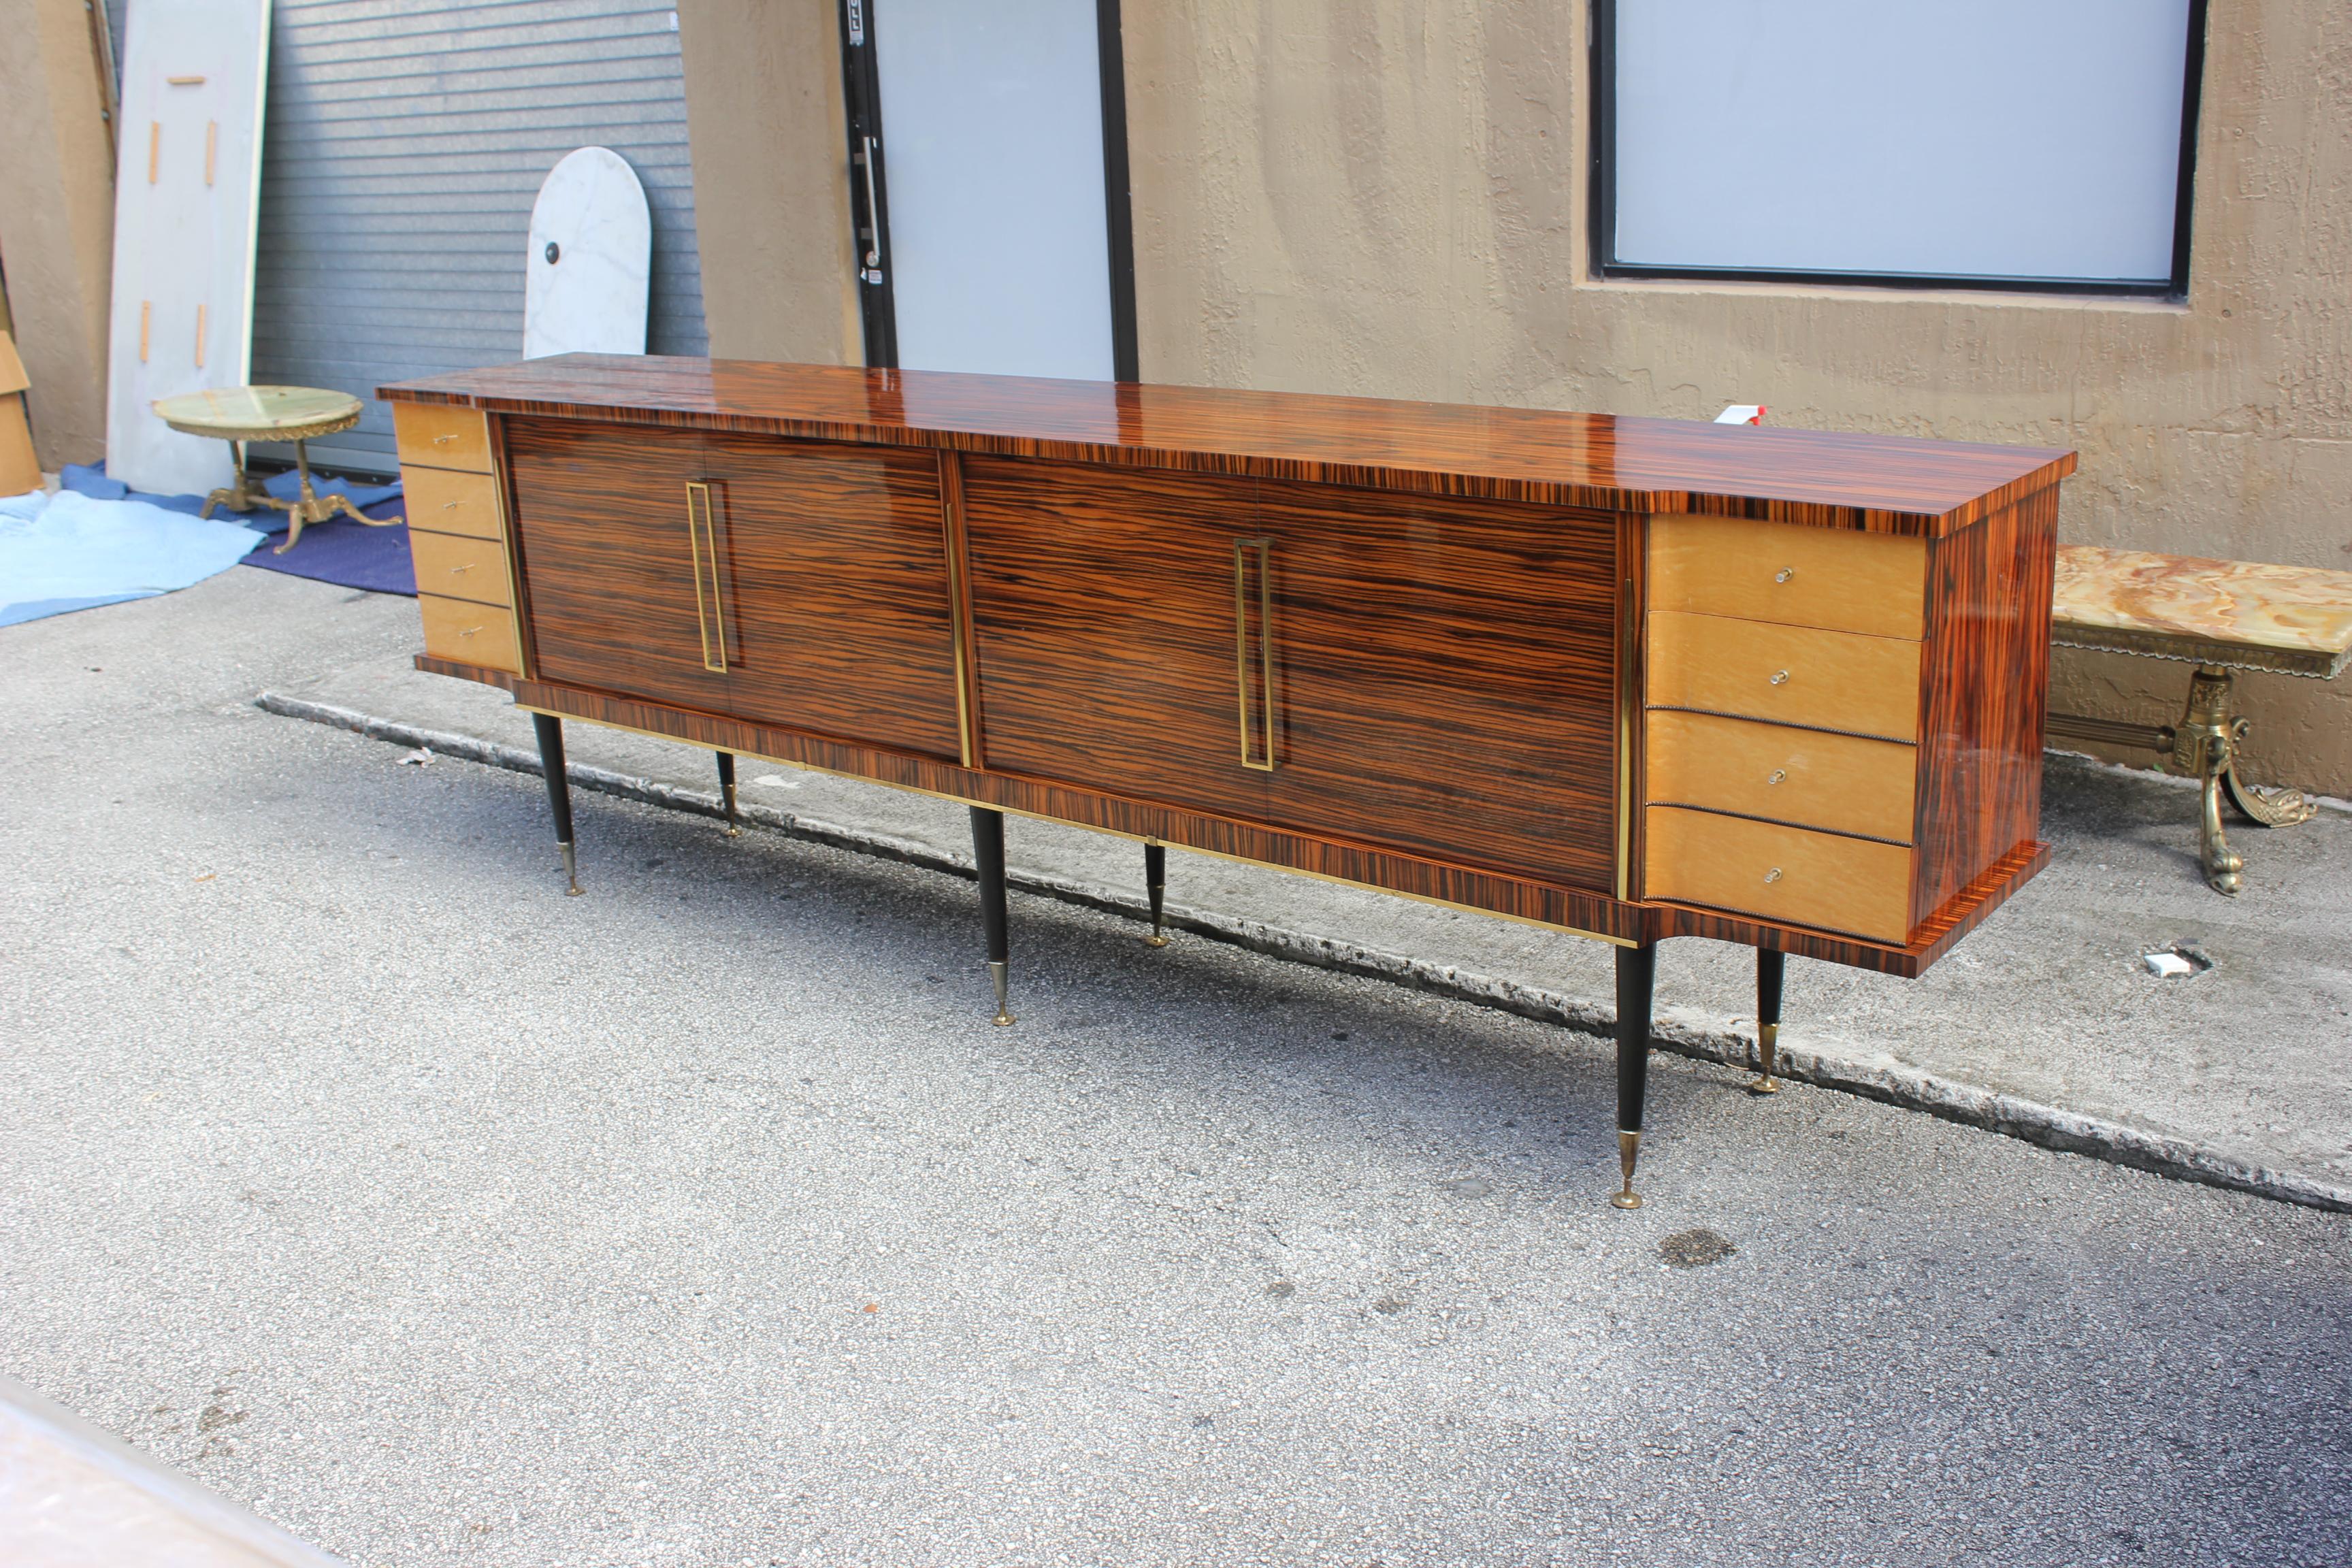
(1626,1201)
(1763,1086)
(1155,941)
(734,833)
(1001,1020)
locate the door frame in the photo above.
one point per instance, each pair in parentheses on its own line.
(868,168)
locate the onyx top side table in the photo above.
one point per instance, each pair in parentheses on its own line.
(240,414)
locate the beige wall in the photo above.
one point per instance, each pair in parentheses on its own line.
(764,113)
(1388,197)
(56,220)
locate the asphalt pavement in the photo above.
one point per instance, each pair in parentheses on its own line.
(356,1172)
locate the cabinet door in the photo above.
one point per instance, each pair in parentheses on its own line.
(1445,676)
(608,568)
(836,579)
(1103,605)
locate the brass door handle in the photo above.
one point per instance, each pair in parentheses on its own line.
(702,545)
(1254,650)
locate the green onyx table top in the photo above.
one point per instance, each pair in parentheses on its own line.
(260,413)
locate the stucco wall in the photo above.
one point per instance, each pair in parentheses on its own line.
(57,221)
(1387,197)
(770,188)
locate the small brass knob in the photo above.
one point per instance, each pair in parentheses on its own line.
(1780,678)
(1777,774)
(1784,573)
(1773,875)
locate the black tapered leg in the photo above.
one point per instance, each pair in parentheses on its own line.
(558,793)
(727,791)
(1637,977)
(1155,882)
(988,854)
(1771,968)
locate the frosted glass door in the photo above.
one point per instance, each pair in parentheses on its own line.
(992,138)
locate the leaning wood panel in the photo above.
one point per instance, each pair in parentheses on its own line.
(1103,612)
(1988,690)
(1809,778)
(1790,874)
(1443,678)
(1789,675)
(1831,578)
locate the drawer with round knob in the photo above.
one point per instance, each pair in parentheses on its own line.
(1789,675)
(1805,878)
(1835,579)
(1809,778)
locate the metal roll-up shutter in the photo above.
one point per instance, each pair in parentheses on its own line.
(404,142)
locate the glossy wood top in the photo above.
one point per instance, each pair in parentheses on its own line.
(1882,483)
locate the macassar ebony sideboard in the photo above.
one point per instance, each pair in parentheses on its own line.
(1631,679)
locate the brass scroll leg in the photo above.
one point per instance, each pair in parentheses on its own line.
(558,793)
(1155,883)
(2204,746)
(1637,975)
(726,792)
(1771,968)
(988,854)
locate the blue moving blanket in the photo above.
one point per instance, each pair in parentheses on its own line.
(71,551)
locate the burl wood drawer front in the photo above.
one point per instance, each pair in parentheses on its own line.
(470,633)
(1789,675)
(1835,579)
(461,568)
(439,437)
(1807,777)
(1790,874)
(444,503)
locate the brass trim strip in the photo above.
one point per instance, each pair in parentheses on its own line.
(1265,551)
(154,148)
(966,658)
(200,337)
(700,536)
(212,147)
(146,318)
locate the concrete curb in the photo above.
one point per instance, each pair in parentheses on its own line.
(1682,1031)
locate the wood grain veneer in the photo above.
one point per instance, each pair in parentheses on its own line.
(1833,579)
(1883,484)
(1987,689)
(1788,874)
(468,633)
(1789,675)
(458,567)
(442,501)
(439,437)
(1808,778)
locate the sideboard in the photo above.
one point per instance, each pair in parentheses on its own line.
(1631,679)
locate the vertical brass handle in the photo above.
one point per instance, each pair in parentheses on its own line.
(702,543)
(1253,649)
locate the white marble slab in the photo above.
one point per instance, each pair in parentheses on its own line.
(591,260)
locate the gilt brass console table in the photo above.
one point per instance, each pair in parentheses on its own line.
(2221,616)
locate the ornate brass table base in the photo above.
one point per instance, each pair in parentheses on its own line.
(2204,745)
(245,495)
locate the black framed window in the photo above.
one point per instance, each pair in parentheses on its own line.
(2042,145)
